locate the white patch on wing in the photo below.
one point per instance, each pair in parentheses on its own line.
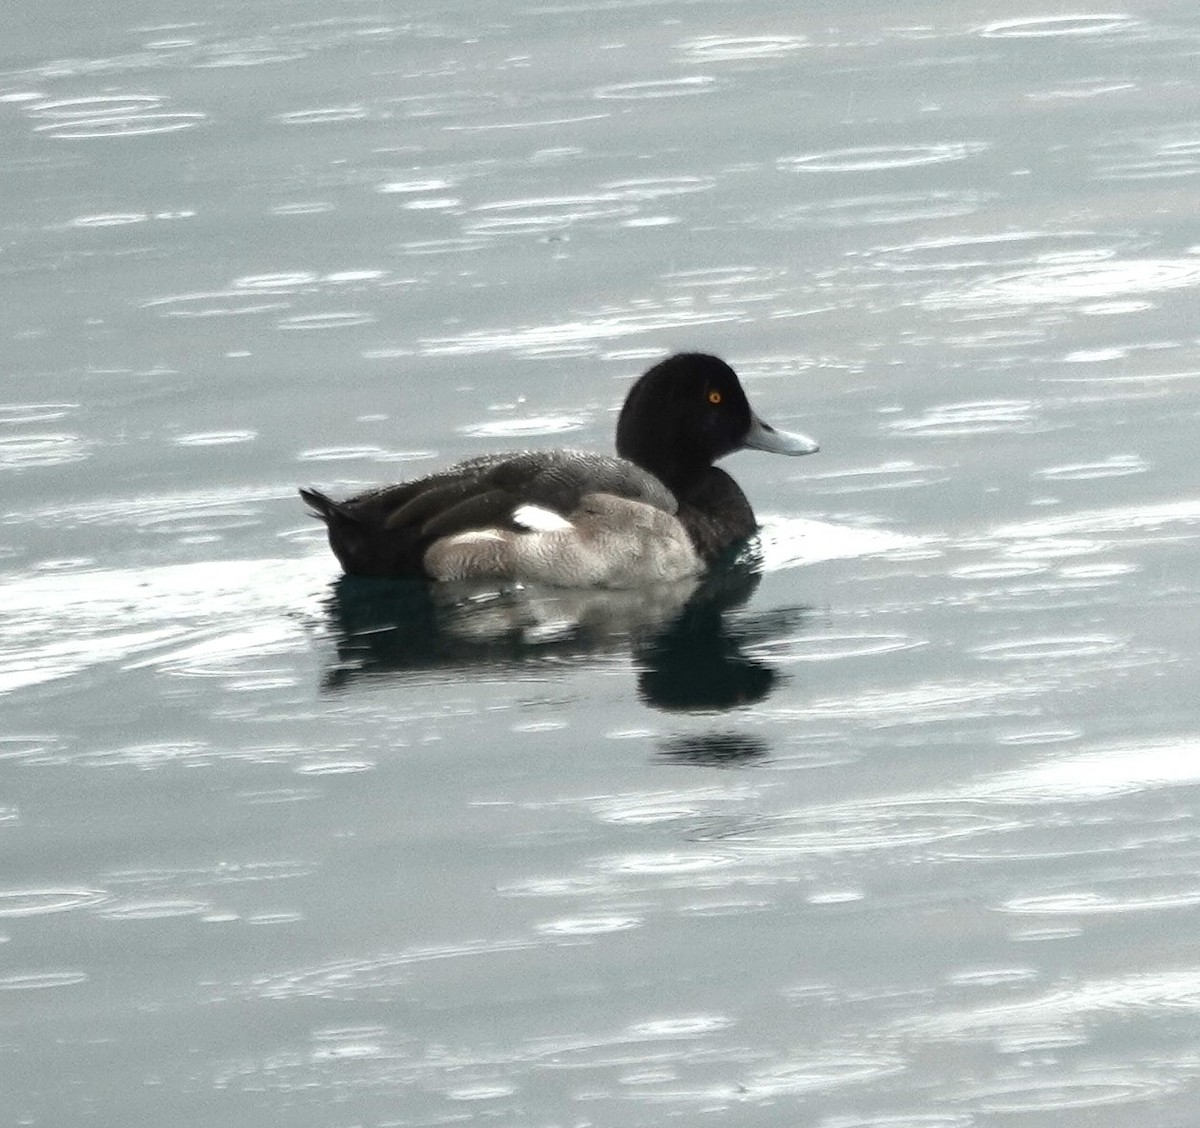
(539,520)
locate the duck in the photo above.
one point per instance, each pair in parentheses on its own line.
(658,511)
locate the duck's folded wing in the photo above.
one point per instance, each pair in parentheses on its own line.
(558,479)
(486,492)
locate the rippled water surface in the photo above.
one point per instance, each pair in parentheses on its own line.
(891,825)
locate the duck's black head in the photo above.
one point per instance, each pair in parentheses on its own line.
(688,411)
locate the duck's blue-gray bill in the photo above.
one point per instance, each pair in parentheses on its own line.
(762,436)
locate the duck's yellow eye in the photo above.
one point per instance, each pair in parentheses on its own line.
(714,396)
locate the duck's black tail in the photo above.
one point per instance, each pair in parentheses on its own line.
(323,507)
(360,538)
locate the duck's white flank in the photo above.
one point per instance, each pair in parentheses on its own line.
(610,542)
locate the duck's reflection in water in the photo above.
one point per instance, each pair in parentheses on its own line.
(715,749)
(686,640)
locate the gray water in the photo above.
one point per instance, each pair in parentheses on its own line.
(895,825)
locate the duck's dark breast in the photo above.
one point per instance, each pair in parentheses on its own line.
(715,513)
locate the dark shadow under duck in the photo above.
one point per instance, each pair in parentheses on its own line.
(692,644)
(657,511)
